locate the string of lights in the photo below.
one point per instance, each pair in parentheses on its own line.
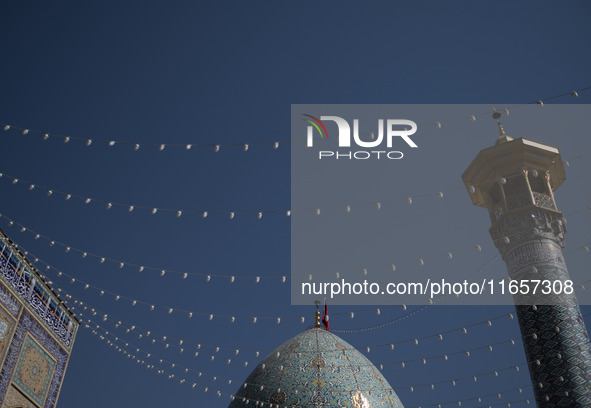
(125,344)
(113,341)
(25,253)
(412,388)
(203,213)
(256,403)
(150,306)
(232,214)
(453,382)
(167,340)
(480,399)
(431,386)
(210,316)
(165,271)
(412,313)
(584,248)
(217,147)
(153,306)
(59,290)
(167,343)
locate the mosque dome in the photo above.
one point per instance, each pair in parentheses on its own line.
(315,369)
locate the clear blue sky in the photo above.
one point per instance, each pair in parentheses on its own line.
(227,72)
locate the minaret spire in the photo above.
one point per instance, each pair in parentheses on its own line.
(503,138)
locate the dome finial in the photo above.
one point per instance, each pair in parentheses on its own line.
(503,138)
(325,316)
(317,322)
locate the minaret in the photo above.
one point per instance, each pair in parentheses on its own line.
(516,180)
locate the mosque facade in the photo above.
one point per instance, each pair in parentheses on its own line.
(37,332)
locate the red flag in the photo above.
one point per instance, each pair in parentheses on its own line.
(325,316)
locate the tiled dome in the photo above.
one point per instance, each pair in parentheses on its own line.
(316,369)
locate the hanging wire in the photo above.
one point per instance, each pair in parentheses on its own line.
(172,339)
(231,214)
(432,385)
(216,147)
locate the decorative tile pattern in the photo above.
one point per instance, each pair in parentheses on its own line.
(554,335)
(558,354)
(316,369)
(9,301)
(14,398)
(6,326)
(527,225)
(34,371)
(16,274)
(28,325)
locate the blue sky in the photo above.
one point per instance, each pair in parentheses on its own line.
(227,73)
